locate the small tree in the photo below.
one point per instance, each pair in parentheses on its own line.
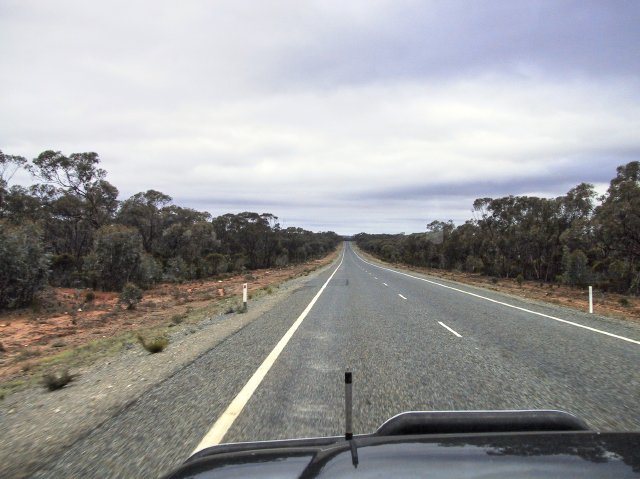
(576,268)
(131,295)
(218,263)
(177,269)
(9,164)
(116,257)
(473,264)
(150,271)
(24,265)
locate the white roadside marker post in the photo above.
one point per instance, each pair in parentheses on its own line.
(590,299)
(244,297)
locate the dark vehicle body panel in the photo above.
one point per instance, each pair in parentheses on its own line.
(422,445)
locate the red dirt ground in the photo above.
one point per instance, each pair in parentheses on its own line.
(64,318)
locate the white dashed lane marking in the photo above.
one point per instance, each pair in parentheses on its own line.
(447,327)
(495,301)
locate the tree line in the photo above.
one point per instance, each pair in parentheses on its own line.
(577,239)
(69,229)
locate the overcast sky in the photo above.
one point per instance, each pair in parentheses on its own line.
(377,116)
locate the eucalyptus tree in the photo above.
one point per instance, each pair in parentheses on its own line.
(144,211)
(617,224)
(24,264)
(78,176)
(9,165)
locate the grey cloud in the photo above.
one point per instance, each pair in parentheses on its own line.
(375,115)
(555,182)
(460,38)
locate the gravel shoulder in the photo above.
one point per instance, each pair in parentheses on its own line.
(38,426)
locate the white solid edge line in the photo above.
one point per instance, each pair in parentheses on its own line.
(224,422)
(447,327)
(623,338)
(401,296)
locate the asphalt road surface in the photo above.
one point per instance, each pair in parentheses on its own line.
(411,345)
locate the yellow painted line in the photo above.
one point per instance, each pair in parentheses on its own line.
(224,422)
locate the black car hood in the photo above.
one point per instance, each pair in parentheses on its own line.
(530,455)
(436,444)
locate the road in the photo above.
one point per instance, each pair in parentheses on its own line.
(411,344)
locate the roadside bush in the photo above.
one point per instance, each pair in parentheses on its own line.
(619,274)
(218,263)
(281,260)
(116,257)
(177,270)
(520,279)
(89,296)
(154,345)
(239,262)
(24,265)
(576,268)
(473,264)
(131,295)
(150,271)
(56,380)
(63,270)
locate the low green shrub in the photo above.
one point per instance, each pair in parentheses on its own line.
(131,295)
(53,380)
(154,345)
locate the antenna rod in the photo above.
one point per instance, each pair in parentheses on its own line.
(348,406)
(348,409)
